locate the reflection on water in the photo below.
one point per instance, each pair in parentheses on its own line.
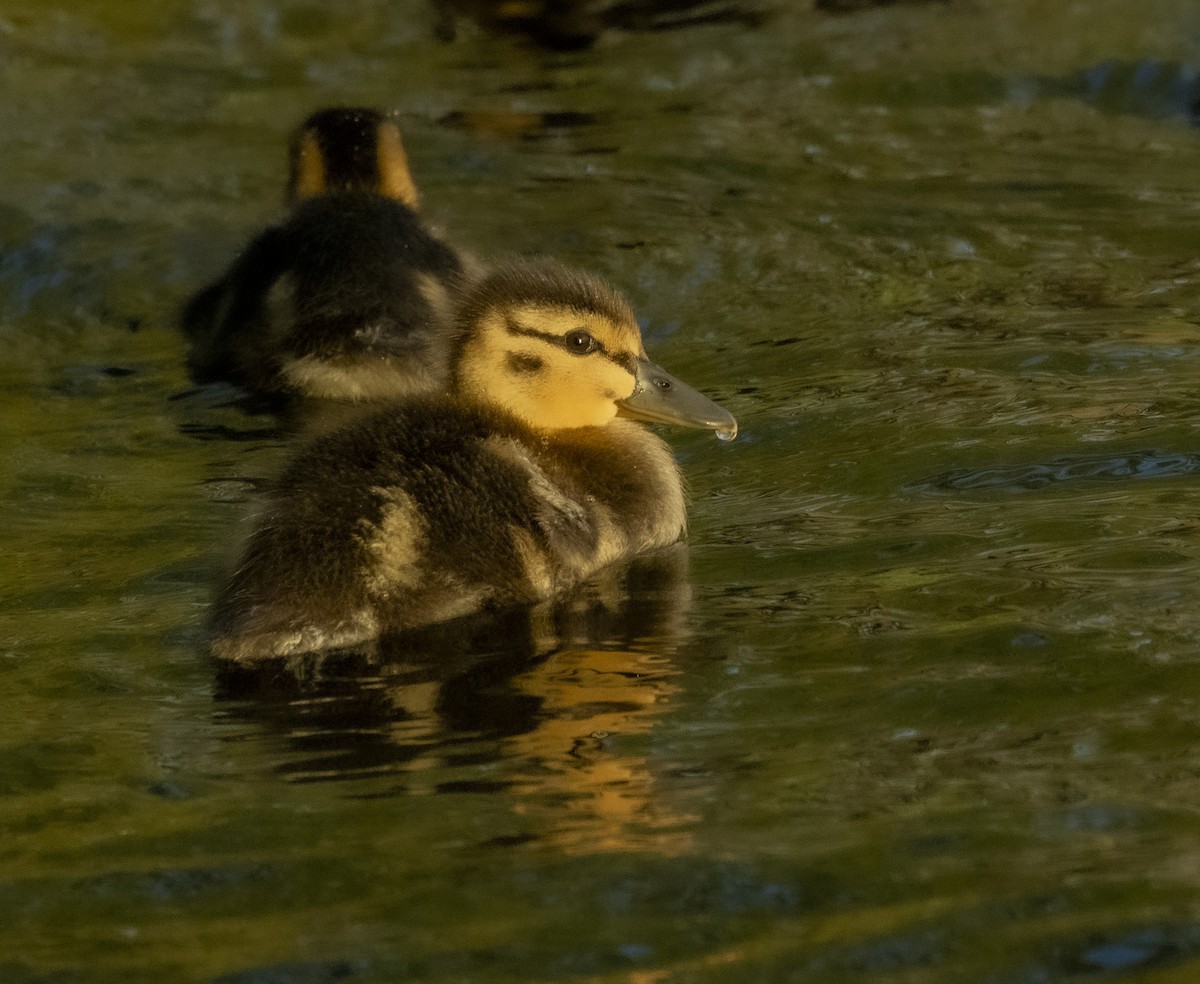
(532,702)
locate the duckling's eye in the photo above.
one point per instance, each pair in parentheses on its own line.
(579,342)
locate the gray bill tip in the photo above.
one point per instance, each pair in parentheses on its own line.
(661,398)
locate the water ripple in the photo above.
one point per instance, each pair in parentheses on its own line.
(1028,477)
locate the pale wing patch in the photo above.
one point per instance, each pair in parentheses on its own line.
(455,604)
(611,541)
(359,628)
(395,545)
(534,563)
(248,647)
(279,307)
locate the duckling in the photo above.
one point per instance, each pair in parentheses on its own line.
(528,476)
(351,296)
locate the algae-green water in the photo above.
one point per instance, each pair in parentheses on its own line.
(919,701)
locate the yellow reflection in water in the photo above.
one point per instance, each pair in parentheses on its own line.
(585,791)
(539,707)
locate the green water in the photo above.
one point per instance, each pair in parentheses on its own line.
(923,707)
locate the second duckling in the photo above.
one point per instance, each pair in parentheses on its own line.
(351,296)
(531,476)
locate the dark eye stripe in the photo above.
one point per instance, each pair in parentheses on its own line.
(625,361)
(622,359)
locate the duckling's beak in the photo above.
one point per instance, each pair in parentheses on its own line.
(661,398)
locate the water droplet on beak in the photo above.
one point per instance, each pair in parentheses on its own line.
(727,432)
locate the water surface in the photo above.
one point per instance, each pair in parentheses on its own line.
(918,701)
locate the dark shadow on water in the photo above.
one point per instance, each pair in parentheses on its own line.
(572,25)
(243,417)
(853,6)
(1029,477)
(1149,88)
(297,972)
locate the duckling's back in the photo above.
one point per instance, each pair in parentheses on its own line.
(348,297)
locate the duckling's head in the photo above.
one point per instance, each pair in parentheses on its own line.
(346,148)
(559,348)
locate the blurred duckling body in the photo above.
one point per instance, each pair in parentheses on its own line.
(523,481)
(350,297)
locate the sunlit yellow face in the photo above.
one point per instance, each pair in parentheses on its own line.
(554,366)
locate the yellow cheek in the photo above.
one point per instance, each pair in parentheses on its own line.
(607,383)
(565,392)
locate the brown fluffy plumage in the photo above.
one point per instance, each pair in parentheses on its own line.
(489,497)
